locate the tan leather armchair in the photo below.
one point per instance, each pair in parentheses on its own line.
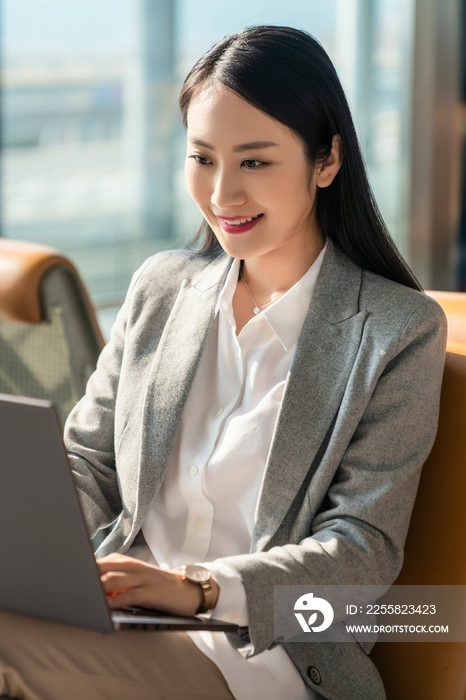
(454,305)
(49,335)
(435,550)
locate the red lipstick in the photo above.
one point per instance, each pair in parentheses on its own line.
(238,228)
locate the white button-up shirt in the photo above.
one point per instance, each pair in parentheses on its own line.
(206,506)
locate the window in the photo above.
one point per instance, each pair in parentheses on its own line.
(93,150)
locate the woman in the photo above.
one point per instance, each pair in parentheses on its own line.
(264,406)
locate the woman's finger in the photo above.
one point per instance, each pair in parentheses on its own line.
(116,580)
(118,562)
(126,598)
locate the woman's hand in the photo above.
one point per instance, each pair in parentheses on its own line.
(129,581)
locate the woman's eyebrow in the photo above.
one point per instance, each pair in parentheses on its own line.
(251,146)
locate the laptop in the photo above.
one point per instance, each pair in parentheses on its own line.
(47,564)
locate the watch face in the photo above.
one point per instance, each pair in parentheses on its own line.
(197,573)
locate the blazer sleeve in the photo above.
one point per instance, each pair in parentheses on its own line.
(358,536)
(90,429)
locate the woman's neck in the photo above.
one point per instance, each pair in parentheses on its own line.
(266,278)
(272,275)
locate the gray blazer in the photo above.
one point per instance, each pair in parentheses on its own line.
(357,421)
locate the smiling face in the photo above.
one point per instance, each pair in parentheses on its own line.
(242,164)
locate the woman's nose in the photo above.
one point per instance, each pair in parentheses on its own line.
(227,192)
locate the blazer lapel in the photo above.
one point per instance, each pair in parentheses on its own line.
(173,368)
(324,356)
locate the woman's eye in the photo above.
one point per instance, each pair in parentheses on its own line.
(253,164)
(200,160)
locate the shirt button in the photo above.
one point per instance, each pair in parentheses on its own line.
(198,523)
(219,412)
(236,355)
(193,470)
(187,562)
(233,615)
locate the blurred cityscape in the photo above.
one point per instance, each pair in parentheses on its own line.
(71,169)
(66,181)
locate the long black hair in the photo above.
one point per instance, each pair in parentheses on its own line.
(287,74)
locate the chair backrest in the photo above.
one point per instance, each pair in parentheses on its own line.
(49,335)
(435,551)
(454,305)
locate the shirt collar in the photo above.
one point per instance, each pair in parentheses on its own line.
(286,315)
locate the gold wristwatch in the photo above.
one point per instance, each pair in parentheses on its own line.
(200,575)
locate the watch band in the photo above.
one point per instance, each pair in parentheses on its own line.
(207,597)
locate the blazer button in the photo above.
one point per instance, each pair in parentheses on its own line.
(314,675)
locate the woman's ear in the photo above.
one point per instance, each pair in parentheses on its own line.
(325,174)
